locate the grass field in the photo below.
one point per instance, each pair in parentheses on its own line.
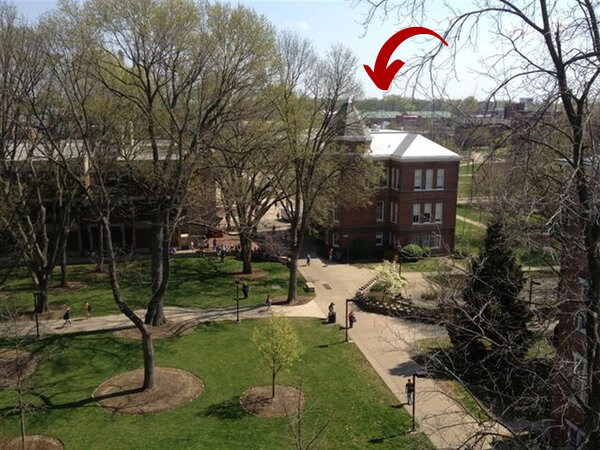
(468,238)
(341,389)
(473,213)
(195,282)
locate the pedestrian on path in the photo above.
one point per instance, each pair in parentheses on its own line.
(410,392)
(67,316)
(330,254)
(87,308)
(268,302)
(351,318)
(245,290)
(308,259)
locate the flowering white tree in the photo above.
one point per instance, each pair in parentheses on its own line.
(389,279)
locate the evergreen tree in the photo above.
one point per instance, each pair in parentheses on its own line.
(492,320)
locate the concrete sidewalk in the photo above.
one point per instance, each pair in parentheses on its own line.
(174,314)
(385,342)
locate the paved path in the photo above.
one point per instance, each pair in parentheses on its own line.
(175,314)
(386,342)
(472,222)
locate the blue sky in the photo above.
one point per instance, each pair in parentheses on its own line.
(326,23)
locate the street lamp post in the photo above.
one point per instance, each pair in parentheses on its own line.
(531,283)
(414,399)
(35,312)
(237,300)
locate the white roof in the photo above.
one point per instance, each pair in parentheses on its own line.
(407,147)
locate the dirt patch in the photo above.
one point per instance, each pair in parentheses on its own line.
(33,442)
(169,330)
(4,294)
(258,401)
(172,388)
(257,274)
(73,287)
(12,367)
(55,311)
(97,275)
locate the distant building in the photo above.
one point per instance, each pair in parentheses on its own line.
(414,203)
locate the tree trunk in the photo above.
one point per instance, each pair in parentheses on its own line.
(273,385)
(161,269)
(64,280)
(147,346)
(293,278)
(100,263)
(246,244)
(41,286)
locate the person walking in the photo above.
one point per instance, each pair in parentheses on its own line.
(87,308)
(330,254)
(351,319)
(410,392)
(245,290)
(67,316)
(308,259)
(268,302)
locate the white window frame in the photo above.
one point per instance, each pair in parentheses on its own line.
(428,179)
(580,322)
(396,178)
(439,211)
(393,212)
(427,213)
(379,211)
(418,182)
(336,214)
(436,242)
(439,181)
(426,241)
(379,239)
(573,431)
(335,239)
(580,377)
(416,213)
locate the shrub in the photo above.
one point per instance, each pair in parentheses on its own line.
(413,251)
(361,249)
(388,255)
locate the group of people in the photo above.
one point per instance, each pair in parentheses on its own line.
(87,309)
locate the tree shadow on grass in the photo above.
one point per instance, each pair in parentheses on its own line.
(228,410)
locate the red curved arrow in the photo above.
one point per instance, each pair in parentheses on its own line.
(383,75)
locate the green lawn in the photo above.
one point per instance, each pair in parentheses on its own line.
(340,386)
(469,238)
(473,213)
(195,282)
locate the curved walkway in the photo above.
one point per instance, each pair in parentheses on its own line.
(386,342)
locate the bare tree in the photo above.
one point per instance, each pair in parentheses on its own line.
(552,50)
(309,91)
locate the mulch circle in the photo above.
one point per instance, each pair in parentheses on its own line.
(33,442)
(11,367)
(172,388)
(257,274)
(168,330)
(73,287)
(258,401)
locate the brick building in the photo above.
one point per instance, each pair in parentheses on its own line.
(415,201)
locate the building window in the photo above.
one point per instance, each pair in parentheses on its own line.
(393,212)
(418,173)
(379,239)
(580,322)
(336,214)
(429,179)
(416,213)
(436,242)
(427,213)
(379,212)
(580,376)
(575,436)
(396,178)
(335,239)
(440,179)
(438,212)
